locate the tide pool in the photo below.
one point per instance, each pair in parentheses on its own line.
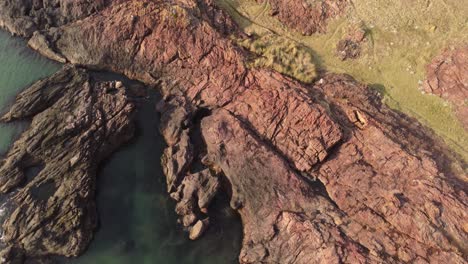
(136,216)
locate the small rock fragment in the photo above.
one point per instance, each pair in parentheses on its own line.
(198,229)
(118,84)
(360,118)
(74,160)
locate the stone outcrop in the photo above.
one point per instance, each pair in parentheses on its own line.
(24,17)
(319,173)
(49,172)
(304,16)
(194,195)
(447,77)
(393,179)
(350,47)
(286,219)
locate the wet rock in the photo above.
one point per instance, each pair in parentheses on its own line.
(40,43)
(447,77)
(75,125)
(198,229)
(11,255)
(194,195)
(348,49)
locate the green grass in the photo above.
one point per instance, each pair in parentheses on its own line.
(403,37)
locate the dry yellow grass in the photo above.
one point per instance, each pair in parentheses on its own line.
(283,55)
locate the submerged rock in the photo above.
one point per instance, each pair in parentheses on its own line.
(75,124)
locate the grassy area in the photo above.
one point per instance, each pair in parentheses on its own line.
(403,37)
(283,55)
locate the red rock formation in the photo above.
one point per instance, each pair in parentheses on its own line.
(277,108)
(447,77)
(391,192)
(390,176)
(307,17)
(285,219)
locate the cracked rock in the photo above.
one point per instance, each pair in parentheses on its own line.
(75,125)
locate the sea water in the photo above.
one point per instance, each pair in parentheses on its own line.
(19,66)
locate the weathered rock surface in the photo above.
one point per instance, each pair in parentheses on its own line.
(350,47)
(285,219)
(23,17)
(197,230)
(447,77)
(396,180)
(50,170)
(194,195)
(388,191)
(304,16)
(40,43)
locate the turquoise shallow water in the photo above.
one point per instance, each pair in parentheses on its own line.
(19,66)
(137,223)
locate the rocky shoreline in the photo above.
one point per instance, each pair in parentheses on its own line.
(319,173)
(51,168)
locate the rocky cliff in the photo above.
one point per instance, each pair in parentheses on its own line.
(319,173)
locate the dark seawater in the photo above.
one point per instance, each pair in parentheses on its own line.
(137,219)
(137,222)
